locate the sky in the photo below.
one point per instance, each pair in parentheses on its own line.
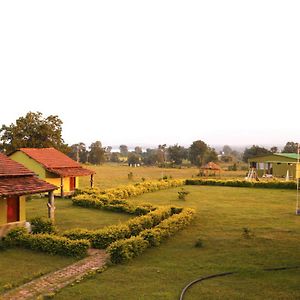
(154,72)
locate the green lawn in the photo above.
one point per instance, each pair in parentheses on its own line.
(68,216)
(18,266)
(222,215)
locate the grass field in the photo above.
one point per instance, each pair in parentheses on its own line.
(112,175)
(222,215)
(18,266)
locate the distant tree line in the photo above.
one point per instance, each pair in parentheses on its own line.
(35,131)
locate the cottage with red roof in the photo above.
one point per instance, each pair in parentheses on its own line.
(54,167)
(16,181)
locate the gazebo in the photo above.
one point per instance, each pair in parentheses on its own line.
(210,169)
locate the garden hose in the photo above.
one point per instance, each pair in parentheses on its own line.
(229,273)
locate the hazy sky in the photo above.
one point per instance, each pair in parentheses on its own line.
(152,72)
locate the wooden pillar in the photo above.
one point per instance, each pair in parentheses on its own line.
(62,194)
(92,181)
(51,207)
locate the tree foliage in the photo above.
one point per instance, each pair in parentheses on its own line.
(176,154)
(290,147)
(79,152)
(33,131)
(197,152)
(123,150)
(133,158)
(254,151)
(96,155)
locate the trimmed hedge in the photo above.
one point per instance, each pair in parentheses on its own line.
(49,243)
(243,183)
(117,205)
(102,238)
(137,189)
(41,225)
(123,250)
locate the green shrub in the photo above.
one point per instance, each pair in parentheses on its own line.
(117,205)
(137,189)
(49,243)
(153,236)
(102,238)
(199,243)
(125,250)
(276,184)
(182,194)
(40,225)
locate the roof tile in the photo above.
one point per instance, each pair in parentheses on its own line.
(23,185)
(9,167)
(50,157)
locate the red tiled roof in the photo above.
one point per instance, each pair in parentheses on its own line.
(8,167)
(23,185)
(66,172)
(50,158)
(56,162)
(15,179)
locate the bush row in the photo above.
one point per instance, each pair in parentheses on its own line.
(100,202)
(243,183)
(49,243)
(124,250)
(102,238)
(133,190)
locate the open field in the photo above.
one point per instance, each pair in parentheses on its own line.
(222,215)
(111,175)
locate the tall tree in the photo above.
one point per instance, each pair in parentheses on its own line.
(290,147)
(274,149)
(123,150)
(227,150)
(133,158)
(254,151)
(150,157)
(177,154)
(161,153)
(79,152)
(210,155)
(197,152)
(33,131)
(96,155)
(138,150)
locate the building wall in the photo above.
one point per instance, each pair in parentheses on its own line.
(3,210)
(280,165)
(66,182)
(29,163)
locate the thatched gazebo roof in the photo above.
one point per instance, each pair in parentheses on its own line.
(211,166)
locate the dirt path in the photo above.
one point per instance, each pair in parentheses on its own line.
(55,281)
